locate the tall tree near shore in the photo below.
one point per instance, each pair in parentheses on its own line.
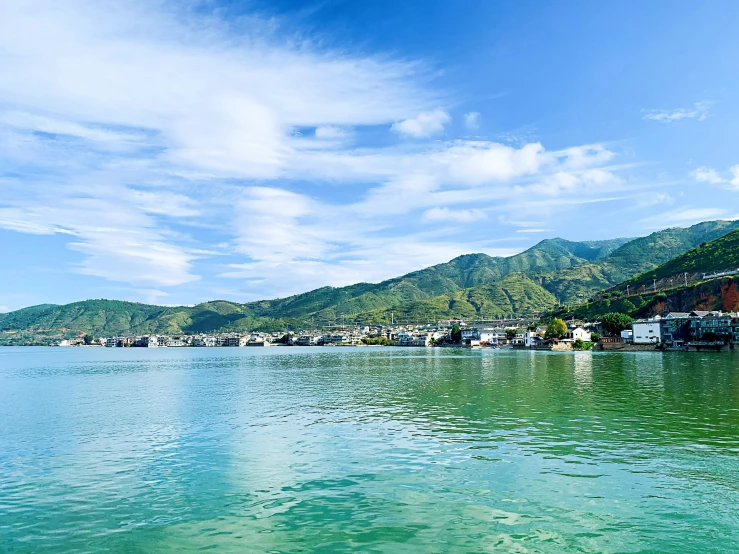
(556,329)
(616,322)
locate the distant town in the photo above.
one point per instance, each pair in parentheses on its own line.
(696,330)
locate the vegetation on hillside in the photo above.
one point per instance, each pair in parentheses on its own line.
(470,286)
(717,255)
(512,295)
(633,258)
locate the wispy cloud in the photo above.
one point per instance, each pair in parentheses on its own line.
(682,217)
(152,139)
(461,216)
(699,111)
(472,120)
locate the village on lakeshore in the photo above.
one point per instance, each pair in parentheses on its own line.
(696,331)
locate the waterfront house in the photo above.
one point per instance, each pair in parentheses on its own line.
(204,341)
(150,341)
(306,340)
(421,340)
(647,331)
(471,334)
(578,332)
(532,339)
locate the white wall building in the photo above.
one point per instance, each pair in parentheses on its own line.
(531,339)
(578,333)
(646,332)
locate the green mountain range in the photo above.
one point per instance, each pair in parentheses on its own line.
(474,285)
(717,256)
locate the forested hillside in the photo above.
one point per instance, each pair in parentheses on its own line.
(720,293)
(553,271)
(717,255)
(631,259)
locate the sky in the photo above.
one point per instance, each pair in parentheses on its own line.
(178,152)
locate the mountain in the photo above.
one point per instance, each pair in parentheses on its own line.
(720,293)
(512,295)
(637,256)
(116,317)
(328,304)
(716,256)
(552,271)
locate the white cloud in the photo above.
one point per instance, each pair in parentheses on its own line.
(460,216)
(423,125)
(4,309)
(332,132)
(120,243)
(699,111)
(534,230)
(472,120)
(707,175)
(175,137)
(734,175)
(479,162)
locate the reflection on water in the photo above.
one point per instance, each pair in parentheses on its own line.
(383,450)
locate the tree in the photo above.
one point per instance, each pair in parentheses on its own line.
(456,333)
(615,322)
(88,339)
(595,337)
(556,329)
(510,334)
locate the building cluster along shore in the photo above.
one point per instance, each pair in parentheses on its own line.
(496,333)
(697,330)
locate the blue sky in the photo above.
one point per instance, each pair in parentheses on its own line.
(177,152)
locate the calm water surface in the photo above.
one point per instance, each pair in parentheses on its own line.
(370,450)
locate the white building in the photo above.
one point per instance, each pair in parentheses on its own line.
(404,338)
(421,340)
(646,332)
(234,341)
(305,340)
(578,333)
(204,341)
(470,334)
(531,339)
(151,341)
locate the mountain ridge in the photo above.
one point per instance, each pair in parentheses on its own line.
(536,279)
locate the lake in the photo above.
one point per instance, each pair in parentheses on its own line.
(368,450)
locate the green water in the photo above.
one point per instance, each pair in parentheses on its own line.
(367,450)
